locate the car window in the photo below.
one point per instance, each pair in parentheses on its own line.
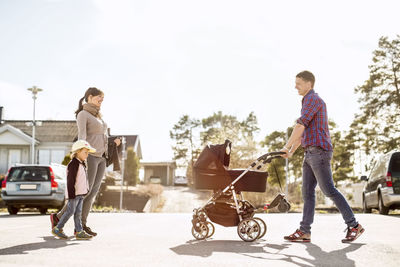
(374,171)
(395,163)
(382,167)
(28,174)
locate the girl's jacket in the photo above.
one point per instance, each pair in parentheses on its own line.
(77,183)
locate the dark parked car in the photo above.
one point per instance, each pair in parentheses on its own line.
(382,189)
(34,186)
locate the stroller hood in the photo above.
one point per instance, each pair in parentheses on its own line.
(214,157)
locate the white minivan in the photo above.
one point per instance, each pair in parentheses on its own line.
(382,187)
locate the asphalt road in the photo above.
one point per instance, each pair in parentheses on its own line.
(164,239)
(183,199)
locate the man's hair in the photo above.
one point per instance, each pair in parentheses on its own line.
(307,76)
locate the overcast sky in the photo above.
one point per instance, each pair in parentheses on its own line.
(157,60)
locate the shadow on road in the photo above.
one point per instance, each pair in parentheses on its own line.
(314,255)
(22,215)
(49,242)
(206,248)
(333,258)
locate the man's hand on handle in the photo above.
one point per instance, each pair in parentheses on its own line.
(287,154)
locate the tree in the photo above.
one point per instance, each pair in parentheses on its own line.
(66,159)
(377,126)
(343,151)
(131,173)
(185,148)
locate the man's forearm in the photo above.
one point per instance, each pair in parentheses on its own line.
(295,145)
(295,138)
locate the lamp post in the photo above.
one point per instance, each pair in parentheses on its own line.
(122,170)
(34,91)
(287,167)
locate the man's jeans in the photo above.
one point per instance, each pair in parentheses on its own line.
(317,169)
(74,207)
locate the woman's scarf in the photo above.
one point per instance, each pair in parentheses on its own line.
(92,109)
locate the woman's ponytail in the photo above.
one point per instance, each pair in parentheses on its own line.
(80,107)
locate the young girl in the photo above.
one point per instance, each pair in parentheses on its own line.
(77,188)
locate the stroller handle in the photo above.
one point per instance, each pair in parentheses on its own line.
(272,154)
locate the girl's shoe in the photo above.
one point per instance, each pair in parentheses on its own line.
(82,235)
(59,233)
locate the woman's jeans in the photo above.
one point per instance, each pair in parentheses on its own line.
(96,167)
(317,169)
(74,207)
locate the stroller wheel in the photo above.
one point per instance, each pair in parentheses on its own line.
(263,227)
(200,230)
(248,230)
(284,206)
(211,229)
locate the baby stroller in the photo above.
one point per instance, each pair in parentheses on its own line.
(227,206)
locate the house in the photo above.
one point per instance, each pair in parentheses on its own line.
(53,140)
(134,142)
(163,170)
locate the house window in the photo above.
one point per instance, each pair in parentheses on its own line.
(47,156)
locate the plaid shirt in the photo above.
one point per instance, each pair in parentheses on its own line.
(314,117)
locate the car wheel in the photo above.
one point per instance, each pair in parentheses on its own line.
(382,209)
(43,210)
(12,210)
(365,207)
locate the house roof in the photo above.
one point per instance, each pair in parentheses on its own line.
(159,163)
(17,132)
(49,131)
(62,131)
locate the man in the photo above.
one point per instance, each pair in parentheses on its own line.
(312,132)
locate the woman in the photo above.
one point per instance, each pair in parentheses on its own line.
(93,129)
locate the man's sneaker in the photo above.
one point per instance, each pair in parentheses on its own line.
(59,233)
(88,230)
(54,220)
(353,233)
(298,236)
(82,235)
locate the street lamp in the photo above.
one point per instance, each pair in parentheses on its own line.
(34,91)
(124,156)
